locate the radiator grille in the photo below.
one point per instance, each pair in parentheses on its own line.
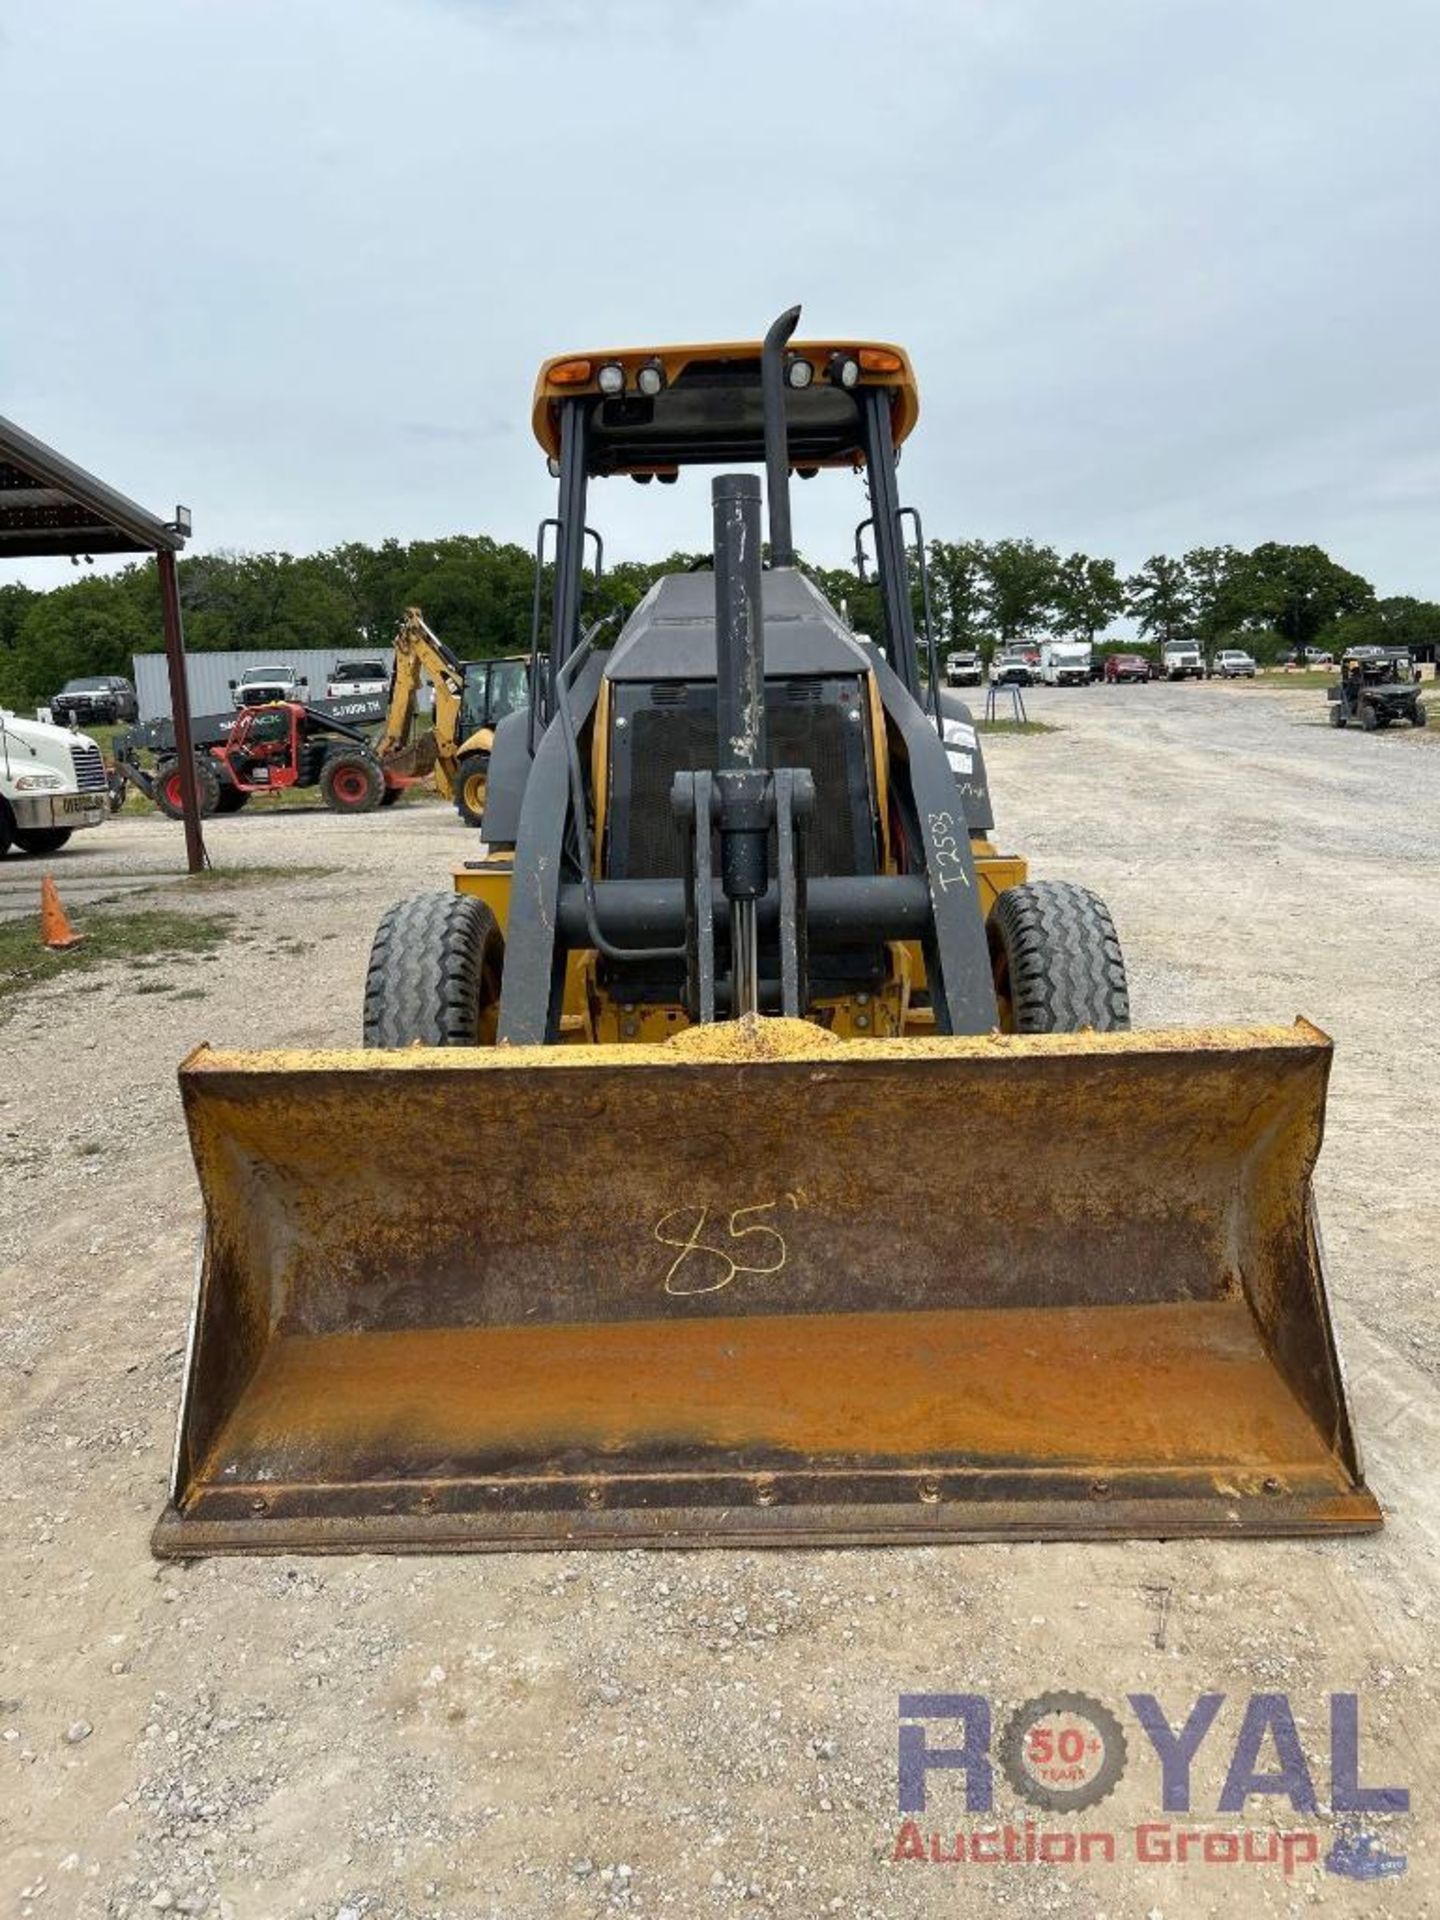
(805,730)
(89,769)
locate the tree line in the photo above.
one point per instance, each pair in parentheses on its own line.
(1270,600)
(478,592)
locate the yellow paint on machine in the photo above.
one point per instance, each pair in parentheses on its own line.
(889,1013)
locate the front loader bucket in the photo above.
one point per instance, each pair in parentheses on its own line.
(761,1286)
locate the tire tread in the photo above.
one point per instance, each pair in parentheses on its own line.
(1067,970)
(427,968)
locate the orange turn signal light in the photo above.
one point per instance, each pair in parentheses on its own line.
(879,360)
(569,373)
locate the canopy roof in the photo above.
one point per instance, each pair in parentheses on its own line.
(709,409)
(48,505)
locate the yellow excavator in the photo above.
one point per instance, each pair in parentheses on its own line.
(471,698)
(792,1172)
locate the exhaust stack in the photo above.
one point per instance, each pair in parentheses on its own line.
(777,439)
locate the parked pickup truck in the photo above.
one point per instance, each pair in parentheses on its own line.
(94,699)
(349,677)
(51,782)
(1013,668)
(962,668)
(1128,666)
(1232,663)
(258,686)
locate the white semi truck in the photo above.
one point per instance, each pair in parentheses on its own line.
(1065,663)
(52,781)
(1182,660)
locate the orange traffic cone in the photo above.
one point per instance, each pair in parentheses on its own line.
(56,931)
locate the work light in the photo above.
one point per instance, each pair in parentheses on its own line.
(611,377)
(798,372)
(842,369)
(651,377)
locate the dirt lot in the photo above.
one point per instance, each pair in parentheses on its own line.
(708,1733)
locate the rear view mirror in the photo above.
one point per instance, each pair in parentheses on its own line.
(231,685)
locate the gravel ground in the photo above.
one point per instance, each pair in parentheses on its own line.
(705,1733)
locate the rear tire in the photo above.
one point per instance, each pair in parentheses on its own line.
(470,778)
(1337,714)
(231,799)
(168,796)
(1422,717)
(390,796)
(1057,961)
(41,839)
(1369,720)
(434,974)
(351,783)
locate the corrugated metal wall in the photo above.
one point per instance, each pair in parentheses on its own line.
(210,675)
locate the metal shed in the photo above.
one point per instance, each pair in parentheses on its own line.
(210,674)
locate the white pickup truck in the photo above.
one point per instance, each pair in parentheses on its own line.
(51,782)
(259,686)
(352,679)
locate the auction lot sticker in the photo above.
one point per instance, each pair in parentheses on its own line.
(1063,1751)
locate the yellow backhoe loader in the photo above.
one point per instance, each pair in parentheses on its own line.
(471,699)
(791,1173)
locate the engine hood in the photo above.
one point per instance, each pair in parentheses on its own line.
(34,740)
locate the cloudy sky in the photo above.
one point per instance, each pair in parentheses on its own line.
(1168,268)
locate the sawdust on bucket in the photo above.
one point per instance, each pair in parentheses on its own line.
(752,1037)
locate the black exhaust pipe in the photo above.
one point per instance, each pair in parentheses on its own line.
(777,438)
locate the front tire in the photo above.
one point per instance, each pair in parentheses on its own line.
(470,780)
(1337,714)
(169,796)
(1422,716)
(434,974)
(351,783)
(1057,961)
(231,799)
(41,839)
(1369,719)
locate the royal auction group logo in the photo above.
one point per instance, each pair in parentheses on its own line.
(1065,1753)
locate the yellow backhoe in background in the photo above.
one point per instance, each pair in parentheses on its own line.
(791,1173)
(471,699)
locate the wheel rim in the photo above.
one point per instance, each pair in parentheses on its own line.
(350,785)
(175,791)
(473,793)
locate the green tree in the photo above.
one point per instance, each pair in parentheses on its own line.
(1020,587)
(1215,588)
(958,588)
(1088,595)
(1159,598)
(858,600)
(15,602)
(1300,591)
(1399,620)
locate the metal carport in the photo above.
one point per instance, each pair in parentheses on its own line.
(49,507)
